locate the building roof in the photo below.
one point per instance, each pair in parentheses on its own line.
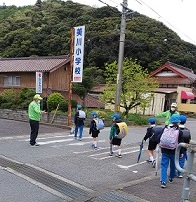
(93,102)
(166,90)
(98,89)
(32,64)
(187,75)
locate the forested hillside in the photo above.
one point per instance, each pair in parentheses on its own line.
(44,29)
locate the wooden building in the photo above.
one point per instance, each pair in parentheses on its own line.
(18,73)
(176,84)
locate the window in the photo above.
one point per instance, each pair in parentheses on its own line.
(11,81)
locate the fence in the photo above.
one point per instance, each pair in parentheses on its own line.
(191,149)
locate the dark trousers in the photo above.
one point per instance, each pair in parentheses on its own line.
(34,131)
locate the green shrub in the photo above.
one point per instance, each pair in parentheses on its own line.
(63,106)
(10,98)
(26,96)
(74,103)
(6,105)
(53,100)
(138,119)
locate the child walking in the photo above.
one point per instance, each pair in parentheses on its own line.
(113,135)
(186,139)
(170,133)
(93,129)
(152,133)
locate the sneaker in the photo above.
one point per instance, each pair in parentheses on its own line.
(154,164)
(80,139)
(111,153)
(170,180)
(180,176)
(35,145)
(95,148)
(163,185)
(148,161)
(75,138)
(119,155)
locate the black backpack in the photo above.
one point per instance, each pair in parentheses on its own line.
(156,134)
(186,135)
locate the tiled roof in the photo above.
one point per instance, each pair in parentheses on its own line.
(32,64)
(98,89)
(91,101)
(183,70)
(184,73)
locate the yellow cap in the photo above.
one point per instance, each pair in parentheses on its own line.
(37,96)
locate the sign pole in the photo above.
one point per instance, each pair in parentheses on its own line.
(70,77)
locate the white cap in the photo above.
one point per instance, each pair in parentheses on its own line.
(174,105)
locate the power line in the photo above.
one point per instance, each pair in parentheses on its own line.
(166,20)
(141,2)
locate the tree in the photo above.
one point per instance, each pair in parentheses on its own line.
(38,3)
(91,77)
(137,87)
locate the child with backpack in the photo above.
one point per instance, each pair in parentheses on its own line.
(79,118)
(115,131)
(168,142)
(153,133)
(93,129)
(186,138)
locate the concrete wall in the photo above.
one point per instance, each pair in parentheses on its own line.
(59,120)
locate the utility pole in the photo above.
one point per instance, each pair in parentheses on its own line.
(121,56)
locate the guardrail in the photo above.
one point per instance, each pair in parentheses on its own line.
(191,149)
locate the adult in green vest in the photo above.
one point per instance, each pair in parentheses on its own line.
(167,114)
(34,113)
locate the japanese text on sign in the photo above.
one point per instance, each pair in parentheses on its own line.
(79,33)
(38,82)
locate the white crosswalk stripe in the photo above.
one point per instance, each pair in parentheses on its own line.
(101,154)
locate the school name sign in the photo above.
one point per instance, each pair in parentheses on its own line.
(79,33)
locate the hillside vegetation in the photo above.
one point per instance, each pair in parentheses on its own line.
(44,30)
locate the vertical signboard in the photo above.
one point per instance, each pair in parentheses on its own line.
(39,82)
(79,33)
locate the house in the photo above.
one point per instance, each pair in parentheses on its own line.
(18,73)
(176,84)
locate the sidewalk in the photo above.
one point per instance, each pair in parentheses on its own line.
(150,190)
(146,190)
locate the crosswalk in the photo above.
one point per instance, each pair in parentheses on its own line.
(84,148)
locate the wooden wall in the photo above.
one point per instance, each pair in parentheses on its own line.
(54,81)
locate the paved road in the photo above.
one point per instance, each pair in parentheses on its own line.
(75,163)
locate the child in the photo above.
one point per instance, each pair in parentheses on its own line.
(79,118)
(186,138)
(168,155)
(113,135)
(93,129)
(152,134)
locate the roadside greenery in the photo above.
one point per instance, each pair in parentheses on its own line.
(12,99)
(44,29)
(137,88)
